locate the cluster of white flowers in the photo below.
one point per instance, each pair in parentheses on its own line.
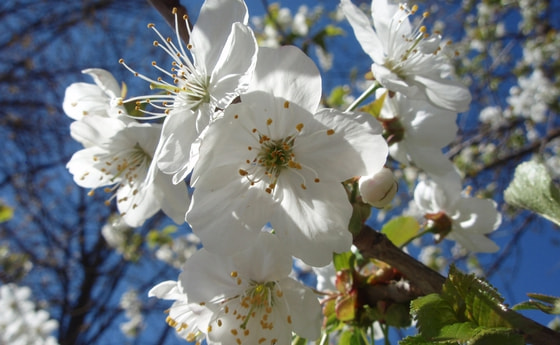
(132,307)
(178,250)
(532,96)
(21,323)
(266,163)
(419,117)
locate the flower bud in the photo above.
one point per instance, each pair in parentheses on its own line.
(378,190)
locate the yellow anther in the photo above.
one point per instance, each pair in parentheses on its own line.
(299,127)
(330,131)
(286,104)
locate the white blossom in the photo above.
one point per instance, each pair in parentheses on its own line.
(277,158)
(120,159)
(250,297)
(99,99)
(463,219)
(405,58)
(222,52)
(417,132)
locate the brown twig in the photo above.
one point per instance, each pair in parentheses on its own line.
(373,244)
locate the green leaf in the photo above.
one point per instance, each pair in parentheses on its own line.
(462,332)
(416,340)
(354,336)
(346,308)
(345,338)
(297,340)
(333,30)
(474,299)
(432,313)
(401,229)
(532,188)
(398,315)
(374,108)
(6,213)
(344,261)
(544,303)
(498,336)
(337,96)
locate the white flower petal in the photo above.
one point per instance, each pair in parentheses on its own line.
(356,146)
(166,290)
(175,198)
(105,81)
(304,309)
(477,215)
(301,80)
(97,131)
(207,277)
(313,222)
(235,66)
(208,35)
(178,134)
(81,99)
(85,172)
(445,93)
(476,243)
(276,262)
(361,25)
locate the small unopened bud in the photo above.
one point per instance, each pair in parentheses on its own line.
(378,190)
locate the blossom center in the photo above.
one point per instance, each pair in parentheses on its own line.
(276,155)
(193,91)
(127,167)
(190,86)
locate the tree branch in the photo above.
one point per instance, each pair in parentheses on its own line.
(375,245)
